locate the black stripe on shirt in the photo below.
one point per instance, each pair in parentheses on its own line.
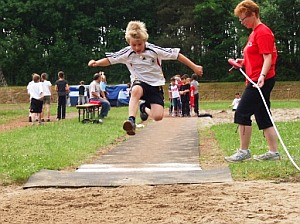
(117,54)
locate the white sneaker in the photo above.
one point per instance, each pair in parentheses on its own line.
(267,156)
(239,156)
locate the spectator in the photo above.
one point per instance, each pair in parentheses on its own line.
(95,94)
(191,95)
(36,98)
(81,91)
(184,91)
(30,116)
(235,101)
(103,84)
(62,89)
(47,89)
(194,87)
(175,97)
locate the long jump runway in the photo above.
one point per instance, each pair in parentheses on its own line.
(164,152)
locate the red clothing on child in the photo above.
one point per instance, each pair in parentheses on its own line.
(192,98)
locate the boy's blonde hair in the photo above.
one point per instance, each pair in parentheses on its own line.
(36,77)
(136,30)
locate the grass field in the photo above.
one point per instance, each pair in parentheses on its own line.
(16,111)
(228,141)
(223,105)
(68,143)
(56,145)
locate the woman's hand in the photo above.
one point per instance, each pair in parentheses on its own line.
(240,61)
(261,81)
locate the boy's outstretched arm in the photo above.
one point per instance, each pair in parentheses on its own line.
(198,69)
(101,62)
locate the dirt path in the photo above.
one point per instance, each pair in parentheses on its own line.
(238,202)
(23,122)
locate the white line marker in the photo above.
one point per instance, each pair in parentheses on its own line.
(163,167)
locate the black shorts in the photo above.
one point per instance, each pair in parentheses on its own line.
(36,106)
(151,94)
(252,104)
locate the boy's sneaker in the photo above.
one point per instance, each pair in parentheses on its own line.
(239,156)
(143,114)
(129,127)
(267,156)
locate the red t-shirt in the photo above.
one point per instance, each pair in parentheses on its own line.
(261,41)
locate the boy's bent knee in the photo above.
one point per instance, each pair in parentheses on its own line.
(157,117)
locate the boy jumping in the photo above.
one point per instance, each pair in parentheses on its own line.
(143,60)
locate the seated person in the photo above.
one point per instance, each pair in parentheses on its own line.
(97,95)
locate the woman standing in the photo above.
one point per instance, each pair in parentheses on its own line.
(260,56)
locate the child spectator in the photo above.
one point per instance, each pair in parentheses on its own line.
(178,80)
(178,83)
(191,93)
(236,101)
(103,84)
(62,89)
(81,91)
(170,99)
(194,86)
(144,61)
(184,91)
(175,97)
(30,117)
(35,91)
(47,96)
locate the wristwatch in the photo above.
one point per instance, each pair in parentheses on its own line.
(263,75)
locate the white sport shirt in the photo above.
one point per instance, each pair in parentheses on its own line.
(35,90)
(174,91)
(146,66)
(46,87)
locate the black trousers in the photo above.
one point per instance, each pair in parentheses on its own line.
(61,107)
(251,103)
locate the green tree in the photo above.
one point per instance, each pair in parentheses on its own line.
(283,18)
(48,36)
(177,28)
(218,35)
